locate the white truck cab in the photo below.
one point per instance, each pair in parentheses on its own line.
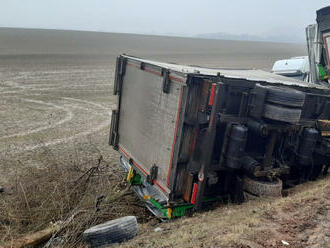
(296,67)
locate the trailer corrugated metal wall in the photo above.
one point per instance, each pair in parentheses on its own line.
(149,120)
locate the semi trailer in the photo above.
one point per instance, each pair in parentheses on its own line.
(189,136)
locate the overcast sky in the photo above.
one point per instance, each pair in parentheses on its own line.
(185,17)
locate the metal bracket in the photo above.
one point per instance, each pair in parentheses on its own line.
(153,174)
(166,81)
(142,65)
(114,137)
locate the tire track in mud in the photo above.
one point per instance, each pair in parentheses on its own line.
(91,103)
(25,83)
(69,116)
(68,139)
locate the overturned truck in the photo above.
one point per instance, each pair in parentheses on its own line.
(189,136)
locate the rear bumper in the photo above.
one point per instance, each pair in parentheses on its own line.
(145,188)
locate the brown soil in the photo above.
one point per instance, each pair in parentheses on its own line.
(304,222)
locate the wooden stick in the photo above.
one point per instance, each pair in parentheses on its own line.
(34,239)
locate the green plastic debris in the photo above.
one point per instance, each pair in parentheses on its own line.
(322,72)
(181,210)
(136,179)
(177,211)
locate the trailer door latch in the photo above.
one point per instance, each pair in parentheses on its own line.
(153,174)
(166,81)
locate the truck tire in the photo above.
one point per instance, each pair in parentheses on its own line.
(249,197)
(284,96)
(114,231)
(280,113)
(263,188)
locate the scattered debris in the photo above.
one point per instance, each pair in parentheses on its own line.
(284,242)
(114,231)
(158,229)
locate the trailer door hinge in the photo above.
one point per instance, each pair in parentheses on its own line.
(153,174)
(119,75)
(114,137)
(166,81)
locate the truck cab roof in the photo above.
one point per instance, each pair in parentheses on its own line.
(294,66)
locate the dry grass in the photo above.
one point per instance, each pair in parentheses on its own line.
(257,223)
(58,192)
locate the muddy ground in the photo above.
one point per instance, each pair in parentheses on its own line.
(56,86)
(56,99)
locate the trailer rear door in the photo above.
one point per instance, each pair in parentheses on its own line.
(149,117)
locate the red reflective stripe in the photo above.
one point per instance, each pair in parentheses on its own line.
(212,95)
(194,193)
(326,49)
(176,79)
(123,151)
(128,64)
(153,72)
(136,164)
(174,137)
(161,187)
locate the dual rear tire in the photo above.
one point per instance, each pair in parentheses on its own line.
(283,104)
